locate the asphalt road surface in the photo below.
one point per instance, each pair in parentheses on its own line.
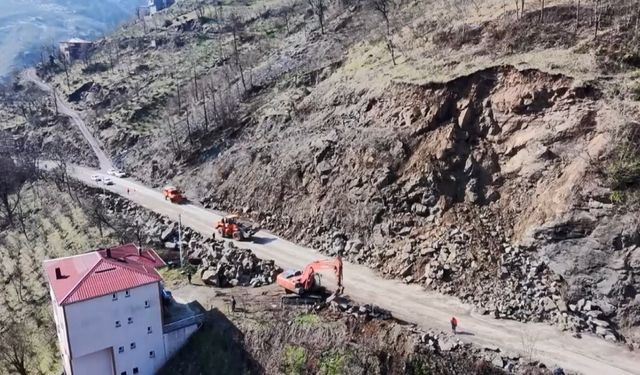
(589,355)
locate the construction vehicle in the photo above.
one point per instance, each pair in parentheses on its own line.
(232,227)
(306,282)
(173,194)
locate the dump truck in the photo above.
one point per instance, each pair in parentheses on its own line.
(232,227)
(172,194)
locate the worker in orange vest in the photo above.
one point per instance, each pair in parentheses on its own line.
(454,324)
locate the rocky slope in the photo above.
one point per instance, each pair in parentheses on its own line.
(492,160)
(483,186)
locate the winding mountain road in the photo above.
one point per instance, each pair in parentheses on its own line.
(64,108)
(589,355)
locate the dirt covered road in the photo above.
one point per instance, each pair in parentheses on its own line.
(589,355)
(63,108)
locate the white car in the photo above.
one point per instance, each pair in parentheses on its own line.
(107,181)
(116,173)
(96,178)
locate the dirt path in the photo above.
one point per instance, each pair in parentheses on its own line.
(589,355)
(63,107)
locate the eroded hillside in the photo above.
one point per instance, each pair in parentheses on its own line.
(491,155)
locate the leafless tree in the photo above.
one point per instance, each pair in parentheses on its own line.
(236,25)
(541,11)
(174,142)
(578,16)
(15,347)
(383,7)
(66,65)
(17,166)
(520,9)
(286,12)
(318,8)
(596,17)
(195,82)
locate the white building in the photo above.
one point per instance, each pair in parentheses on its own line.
(109,312)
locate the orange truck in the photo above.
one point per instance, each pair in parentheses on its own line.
(173,194)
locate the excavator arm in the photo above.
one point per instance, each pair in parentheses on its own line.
(307,277)
(303,282)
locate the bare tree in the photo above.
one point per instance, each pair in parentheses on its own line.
(236,25)
(15,348)
(16,168)
(66,65)
(596,17)
(541,11)
(383,7)
(286,12)
(174,142)
(318,8)
(578,16)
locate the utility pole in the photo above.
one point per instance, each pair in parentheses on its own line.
(180,239)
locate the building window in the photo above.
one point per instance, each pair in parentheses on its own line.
(146,304)
(135,370)
(152,354)
(121,349)
(117,323)
(123,373)
(149,330)
(133,345)
(130,320)
(127,294)
(114,297)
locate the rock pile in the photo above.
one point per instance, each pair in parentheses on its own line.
(226,265)
(442,342)
(367,311)
(219,263)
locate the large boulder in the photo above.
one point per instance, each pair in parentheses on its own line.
(168,233)
(210,277)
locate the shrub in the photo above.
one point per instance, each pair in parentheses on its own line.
(294,360)
(623,169)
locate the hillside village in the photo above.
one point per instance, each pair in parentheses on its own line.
(354,186)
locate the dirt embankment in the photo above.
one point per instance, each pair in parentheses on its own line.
(261,337)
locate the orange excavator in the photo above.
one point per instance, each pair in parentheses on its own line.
(304,282)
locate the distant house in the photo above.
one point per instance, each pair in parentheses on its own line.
(111,312)
(158,5)
(75,49)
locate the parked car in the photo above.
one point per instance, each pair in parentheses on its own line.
(116,173)
(96,178)
(107,181)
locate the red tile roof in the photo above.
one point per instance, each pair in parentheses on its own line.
(94,274)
